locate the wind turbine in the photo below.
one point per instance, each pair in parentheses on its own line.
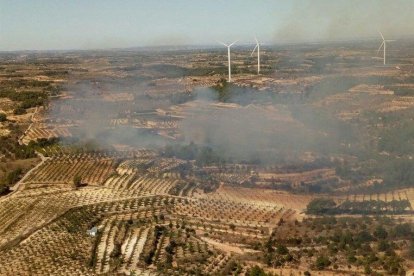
(228,56)
(384,43)
(258,54)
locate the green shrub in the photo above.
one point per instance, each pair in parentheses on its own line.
(322,262)
(256,271)
(19,111)
(3,117)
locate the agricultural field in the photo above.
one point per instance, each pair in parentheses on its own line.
(142,162)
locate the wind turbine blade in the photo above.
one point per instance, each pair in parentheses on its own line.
(233,43)
(381,35)
(257,41)
(222,43)
(255,47)
(380,47)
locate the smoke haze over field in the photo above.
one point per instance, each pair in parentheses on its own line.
(341,20)
(251,126)
(256,127)
(91,114)
(251,132)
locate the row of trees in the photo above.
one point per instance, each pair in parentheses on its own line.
(203,155)
(374,206)
(323,206)
(158,231)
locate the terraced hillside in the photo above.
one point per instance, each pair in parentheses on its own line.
(142,226)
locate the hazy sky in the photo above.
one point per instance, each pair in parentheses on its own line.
(85,24)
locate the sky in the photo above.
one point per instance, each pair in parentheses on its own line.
(100,24)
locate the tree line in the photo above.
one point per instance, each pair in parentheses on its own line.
(323,206)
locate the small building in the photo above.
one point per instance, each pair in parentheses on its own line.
(93,231)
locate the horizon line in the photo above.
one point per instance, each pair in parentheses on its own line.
(202,46)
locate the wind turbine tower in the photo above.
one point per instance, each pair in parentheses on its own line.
(228,56)
(258,54)
(384,45)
